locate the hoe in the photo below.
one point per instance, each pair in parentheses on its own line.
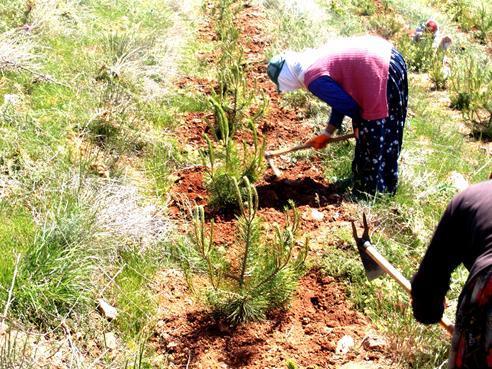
(269,155)
(375,264)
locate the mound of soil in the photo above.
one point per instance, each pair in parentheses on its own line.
(307,332)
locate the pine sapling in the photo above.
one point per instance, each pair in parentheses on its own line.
(257,273)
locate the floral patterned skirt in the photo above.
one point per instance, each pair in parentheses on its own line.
(375,165)
(472,339)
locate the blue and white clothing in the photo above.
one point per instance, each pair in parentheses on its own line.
(375,164)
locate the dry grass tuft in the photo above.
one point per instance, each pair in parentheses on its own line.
(16,52)
(123,213)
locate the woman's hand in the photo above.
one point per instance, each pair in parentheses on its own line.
(319,142)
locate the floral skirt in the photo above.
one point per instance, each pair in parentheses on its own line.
(375,165)
(472,339)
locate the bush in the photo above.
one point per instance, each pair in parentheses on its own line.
(461,12)
(483,24)
(386,25)
(418,55)
(438,70)
(471,92)
(365,7)
(266,272)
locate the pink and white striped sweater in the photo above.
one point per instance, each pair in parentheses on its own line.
(360,66)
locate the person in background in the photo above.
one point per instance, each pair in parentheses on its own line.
(430,27)
(463,236)
(364,78)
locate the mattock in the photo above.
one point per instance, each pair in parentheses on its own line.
(376,264)
(269,155)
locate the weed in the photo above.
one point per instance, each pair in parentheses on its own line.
(291,364)
(17,53)
(261,274)
(338,162)
(12,14)
(386,25)
(135,301)
(365,7)
(139,361)
(161,158)
(461,12)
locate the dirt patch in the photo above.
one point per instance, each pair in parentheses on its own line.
(189,188)
(308,332)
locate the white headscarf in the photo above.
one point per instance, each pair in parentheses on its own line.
(291,76)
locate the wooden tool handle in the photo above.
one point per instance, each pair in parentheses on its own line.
(402,281)
(271,154)
(303,146)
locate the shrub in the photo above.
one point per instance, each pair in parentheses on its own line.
(261,274)
(386,25)
(483,24)
(438,70)
(418,55)
(365,7)
(461,12)
(471,92)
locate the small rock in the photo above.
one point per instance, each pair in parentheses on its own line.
(344,345)
(361,365)
(317,215)
(374,343)
(327,280)
(106,309)
(327,330)
(11,99)
(306,320)
(110,340)
(171,345)
(458,181)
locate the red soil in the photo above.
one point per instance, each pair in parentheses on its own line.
(308,332)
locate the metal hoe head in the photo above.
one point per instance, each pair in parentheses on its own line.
(372,269)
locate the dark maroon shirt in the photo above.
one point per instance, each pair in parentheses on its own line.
(463,235)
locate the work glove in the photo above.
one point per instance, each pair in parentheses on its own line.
(320,141)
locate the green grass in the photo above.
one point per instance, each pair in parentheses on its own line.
(55,266)
(17,231)
(136,302)
(83,112)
